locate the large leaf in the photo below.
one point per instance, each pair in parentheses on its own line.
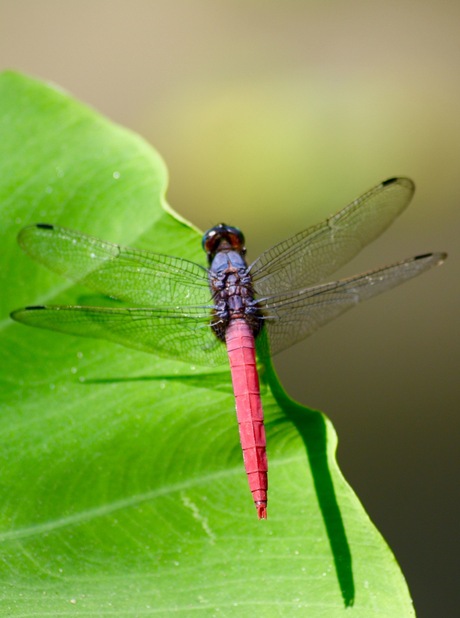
(123,490)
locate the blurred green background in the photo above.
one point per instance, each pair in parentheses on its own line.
(271,116)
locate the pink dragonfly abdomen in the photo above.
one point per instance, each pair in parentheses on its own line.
(242,355)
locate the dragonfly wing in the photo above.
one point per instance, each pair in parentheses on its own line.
(131,275)
(317,252)
(292,316)
(182,334)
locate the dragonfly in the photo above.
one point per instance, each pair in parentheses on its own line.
(183,310)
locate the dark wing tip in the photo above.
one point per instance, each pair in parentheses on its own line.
(389,181)
(402,180)
(440,257)
(16,314)
(26,232)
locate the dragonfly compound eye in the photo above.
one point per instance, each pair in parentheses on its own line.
(219,234)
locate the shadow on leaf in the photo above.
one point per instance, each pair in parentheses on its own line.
(312,428)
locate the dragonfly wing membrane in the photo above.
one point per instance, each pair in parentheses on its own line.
(181,334)
(131,275)
(317,252)
(293,316)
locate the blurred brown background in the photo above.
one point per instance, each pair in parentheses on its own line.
(271,116)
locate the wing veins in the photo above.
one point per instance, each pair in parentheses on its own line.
(300,308)
(131,275)
(318,251)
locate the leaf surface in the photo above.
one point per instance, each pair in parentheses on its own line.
(122,487)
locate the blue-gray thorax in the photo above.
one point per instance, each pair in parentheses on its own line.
(225,260)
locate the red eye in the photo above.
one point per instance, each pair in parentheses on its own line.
(220,233)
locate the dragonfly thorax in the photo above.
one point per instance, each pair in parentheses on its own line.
(232,292)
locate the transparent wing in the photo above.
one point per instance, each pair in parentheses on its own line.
(317,252)
(140,277)
(182,334)
(292,316)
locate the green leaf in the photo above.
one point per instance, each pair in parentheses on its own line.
(123,489)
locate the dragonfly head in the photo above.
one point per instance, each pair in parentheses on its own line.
(223,238)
